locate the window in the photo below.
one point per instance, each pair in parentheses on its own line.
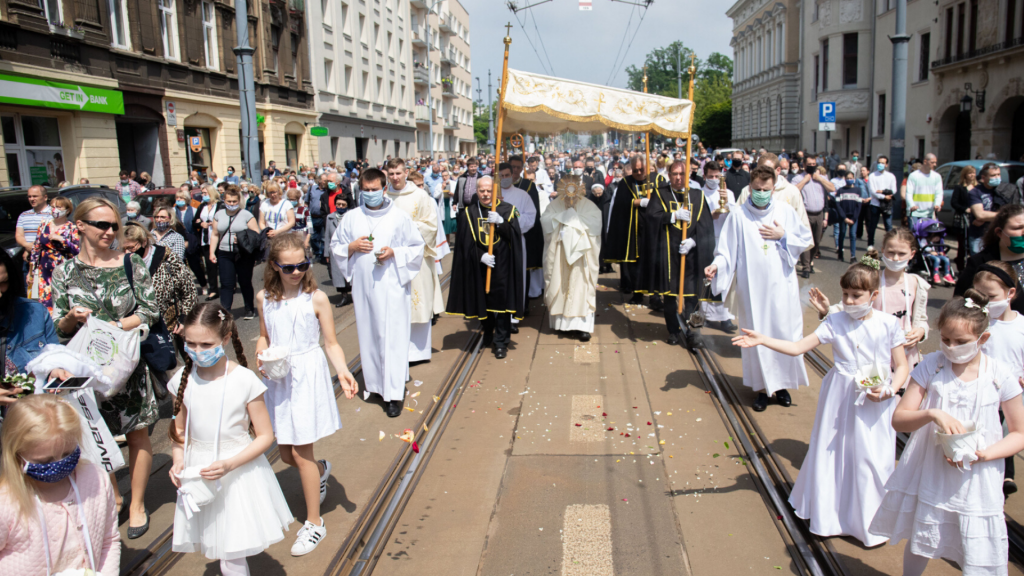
(925,49)
(880,129)
(362,29)
(366,84)
(291,149)
(824,65)
(169,29)
(850,42)
(325,11)
(376,37)
(32,150)
(949,33)
(390,54)
(920,149)
(119,24)
(54,12)
(295,56)
(972,40)
(348,80)
(210,36)
(401,50)
(379,95)
(329,75)
(1011,19)
(817,76)
(275,46)
(344,18)
(960,17)
(391,94)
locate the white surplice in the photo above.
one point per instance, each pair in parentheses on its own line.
(572,249)
(766,289)
(716,311)
(527,219)
(422,208)
(382,295)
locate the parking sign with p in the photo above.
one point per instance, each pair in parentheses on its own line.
(826,116)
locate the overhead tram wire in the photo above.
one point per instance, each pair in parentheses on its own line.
(615,62)
(539,59)
(542,46)
(630,45)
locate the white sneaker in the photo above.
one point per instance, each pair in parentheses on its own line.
(308,538)
(323,479)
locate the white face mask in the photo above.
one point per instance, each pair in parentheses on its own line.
(961,354)
(506,183)
(858,311)
(712,183)
(895,265)
(577,171)
(996,308)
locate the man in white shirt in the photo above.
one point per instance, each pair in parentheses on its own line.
(29,221)
(924,191)
(881,186)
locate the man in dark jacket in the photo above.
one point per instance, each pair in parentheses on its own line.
(736,178)
(465,186)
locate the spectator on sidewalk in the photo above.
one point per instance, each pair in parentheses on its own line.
(924,191)
(29,221)
(882,187)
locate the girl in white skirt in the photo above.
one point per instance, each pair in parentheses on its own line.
(945,508)
(303,409)
(852,451)
(229,504)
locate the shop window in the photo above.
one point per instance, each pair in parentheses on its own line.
(32,150)
(291,149)
(169,29)
(210,36)
(119,23)
(202,160)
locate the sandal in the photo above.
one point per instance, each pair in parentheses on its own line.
(138,531)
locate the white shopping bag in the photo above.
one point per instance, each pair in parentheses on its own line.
(115,350)
(98,445)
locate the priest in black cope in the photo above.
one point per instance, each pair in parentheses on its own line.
(468,296)
(672,207)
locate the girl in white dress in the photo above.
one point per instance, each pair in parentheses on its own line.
(947,509)
(903,295)
(996,280)
(852,450)
(218,403)
(303,409)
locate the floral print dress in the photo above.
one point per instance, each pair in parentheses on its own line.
(106,291)
(46,256)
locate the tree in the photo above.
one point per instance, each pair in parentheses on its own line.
(481,120)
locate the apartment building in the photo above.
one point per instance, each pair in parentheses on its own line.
(88,87)
(362,76)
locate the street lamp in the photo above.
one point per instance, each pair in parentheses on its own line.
(966,100)
(965,104)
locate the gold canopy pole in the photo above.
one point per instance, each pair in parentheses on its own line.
(497,152)
(647,144)
(689,154)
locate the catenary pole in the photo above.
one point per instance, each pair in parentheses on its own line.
(247,93)
(897,144)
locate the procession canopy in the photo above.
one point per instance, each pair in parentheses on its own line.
(543,105)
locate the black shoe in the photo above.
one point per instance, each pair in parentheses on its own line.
(584,336)
(249,315)
(433,321)
(672,339)
(807,273)
(839,256)
(500,352)
(761,403)
(138,531)
(393,408)
(656,305)
(488,339)
(1009,487)
(637,299)
(514,329)
(727,326)
(783,398)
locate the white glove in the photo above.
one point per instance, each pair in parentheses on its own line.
(644,202)
(488,259)
(686,245)
(682,215)
(494,218)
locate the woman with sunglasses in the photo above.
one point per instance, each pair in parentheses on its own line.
(234,265)
(95,283)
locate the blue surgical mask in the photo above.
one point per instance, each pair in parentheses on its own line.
(995,182)
(295,203)
(332,186)
(850,182)
(180,203)
(132,215)
(373,199)
(206,358)
(53,471)
(880,167)
(728,163)
(206,198)
(230,172)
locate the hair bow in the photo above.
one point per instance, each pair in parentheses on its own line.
(968,303)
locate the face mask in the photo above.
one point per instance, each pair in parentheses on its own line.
(132,215)
(854,158)
(810,169)
(858,311)
(205,198)
(793,170)
(850,182)
(895,265)
(1016,244)
(960,354)
(124,182)
(230,172)
(588,170)
(712,183)
(577,171)
(761,198)
(206,358)
(180,203)
(60,213)
(295,203)
(230,208)
(880,167)
(995,182)
(53,471)
(997,307)
(162,225)
(506,183)
(332,186)
(728,163)
(373,199)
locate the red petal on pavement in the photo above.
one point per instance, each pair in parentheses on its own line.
(415,447)
(648,423)
(603,413)
(627,435)
(579,424)
(610,429)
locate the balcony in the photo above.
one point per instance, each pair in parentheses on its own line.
(978,53)
(418,3)
(419,36)
(420,76)
(450,123)
(447,24)
(447,87)
(422,114)
(448,56)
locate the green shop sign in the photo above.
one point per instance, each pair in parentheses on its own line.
(49,94)
(319,131)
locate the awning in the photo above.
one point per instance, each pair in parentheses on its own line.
(542,105)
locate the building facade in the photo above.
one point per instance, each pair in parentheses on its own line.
(766,69)
(362,75)
(90,87)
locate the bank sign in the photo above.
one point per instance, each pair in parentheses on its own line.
(35,92)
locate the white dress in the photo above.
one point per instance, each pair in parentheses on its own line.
(302,405)
(944,512)
(853,448)
(1006,342)
(249,512)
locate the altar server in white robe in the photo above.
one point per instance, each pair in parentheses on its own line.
(419,205)
(379,251)
(527,217)
(759,246)
(715,313)
(572,250)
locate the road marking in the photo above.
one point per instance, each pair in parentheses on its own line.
(586,412)
(587,541)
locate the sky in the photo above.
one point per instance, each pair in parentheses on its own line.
(583,45)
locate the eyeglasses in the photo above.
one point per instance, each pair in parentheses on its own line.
(104,226)
(291,268)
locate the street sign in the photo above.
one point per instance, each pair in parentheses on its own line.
(826,116)
(172,114)
(195,143)
(34,92)
(586,5)
(319,131)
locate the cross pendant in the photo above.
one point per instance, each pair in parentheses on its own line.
(370,237)
(765,248)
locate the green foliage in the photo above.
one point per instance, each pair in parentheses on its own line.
(481,118)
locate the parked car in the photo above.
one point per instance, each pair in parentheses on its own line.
(950,173)
(14,201)
(80,192)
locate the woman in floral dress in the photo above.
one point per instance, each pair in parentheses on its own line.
(95,283)
(56,242)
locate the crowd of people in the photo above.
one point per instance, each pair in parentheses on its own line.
(683,236)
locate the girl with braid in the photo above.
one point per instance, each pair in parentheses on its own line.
(229,503)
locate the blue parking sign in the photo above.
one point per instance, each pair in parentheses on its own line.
(826,116)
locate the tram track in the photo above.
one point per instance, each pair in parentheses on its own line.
(363,546)
(1015,532)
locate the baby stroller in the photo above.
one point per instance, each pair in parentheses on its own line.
(938,272)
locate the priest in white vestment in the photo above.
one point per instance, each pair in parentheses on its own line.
(527,217)
(759,246)
(572,250)
(418,204)
(379,251)
(715,313)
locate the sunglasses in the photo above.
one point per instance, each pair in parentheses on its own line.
(291,268)
(104,226)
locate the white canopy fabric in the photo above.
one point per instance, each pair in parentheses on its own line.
(543,105)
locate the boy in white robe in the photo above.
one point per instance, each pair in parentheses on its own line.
(715,313)
(759,246)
